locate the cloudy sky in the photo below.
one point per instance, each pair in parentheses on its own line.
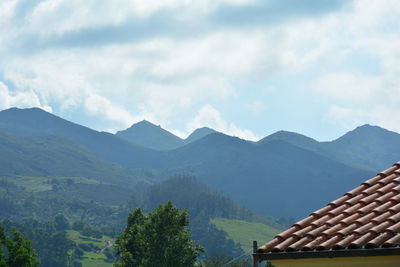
(244,67)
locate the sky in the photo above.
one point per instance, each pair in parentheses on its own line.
(247,68)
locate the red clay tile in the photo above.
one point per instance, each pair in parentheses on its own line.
(306,221)
(305,230)
(386,197)
(357,243)
(299,244)
(392,242)
(352,218)
(366,217)
(356,198)
(312,245)
(345,241)
(319,230)
(336,219)
(395,228)
(329,243)
(379,240)
(373,180)
(322,220)
(340,201)
(357,190)
(372,189)
(382,217)
(323,211)
(286,243)
(349,229)
(288,232)
(354,208)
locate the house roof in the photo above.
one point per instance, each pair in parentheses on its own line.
(365,218)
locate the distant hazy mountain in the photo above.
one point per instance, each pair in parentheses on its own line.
(198,134)
(55,156)
(366,147)
(37,122)
(146,134)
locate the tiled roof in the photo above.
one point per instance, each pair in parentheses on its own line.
(366,217)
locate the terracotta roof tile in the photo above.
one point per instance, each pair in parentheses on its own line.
(366,217)
(392,242)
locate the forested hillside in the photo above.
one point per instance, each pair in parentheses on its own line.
(95,209)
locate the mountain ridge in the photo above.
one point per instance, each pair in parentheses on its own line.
(281,167)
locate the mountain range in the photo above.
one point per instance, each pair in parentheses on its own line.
(146,134)
(283,174)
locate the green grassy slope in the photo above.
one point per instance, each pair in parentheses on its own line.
(92,258)
(244,232)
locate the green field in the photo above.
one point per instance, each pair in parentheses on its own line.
(245,233)
(91,258)
(40,184)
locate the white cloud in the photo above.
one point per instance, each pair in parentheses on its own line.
(98,105)
(26,99)
(60,16)
(160,77)
(64,87)
(210,117)
(361,99)
(367,92)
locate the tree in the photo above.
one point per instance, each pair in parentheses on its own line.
(161,238)
(55,249)
(19,252)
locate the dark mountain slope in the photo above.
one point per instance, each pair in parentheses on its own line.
(275,178)
(149,135)
(37,122)
(55,156)
(211,147)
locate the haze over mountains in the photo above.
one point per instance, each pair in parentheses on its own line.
(284,174)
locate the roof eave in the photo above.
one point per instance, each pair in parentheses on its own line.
(326,254)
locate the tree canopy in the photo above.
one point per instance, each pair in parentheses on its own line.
(16,250)
(161,238)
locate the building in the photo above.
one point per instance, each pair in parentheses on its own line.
(362,228)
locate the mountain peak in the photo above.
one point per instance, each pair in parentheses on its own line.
(149,135)
(199,133)
(367,131)
(145,123)
(287,136)
(15,110)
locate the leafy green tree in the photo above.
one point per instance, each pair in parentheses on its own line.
(161,238)
(55,250)
(19,250)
